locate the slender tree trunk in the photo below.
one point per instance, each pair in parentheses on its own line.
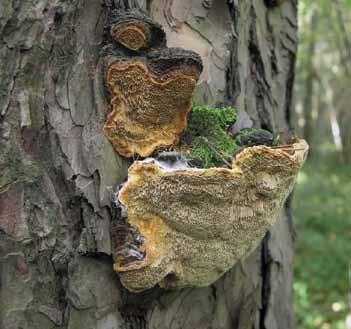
(345,118)
(344,115)
(334,124)
(345,36)
(308,98)
(58,171)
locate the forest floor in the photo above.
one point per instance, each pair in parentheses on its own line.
(322,202)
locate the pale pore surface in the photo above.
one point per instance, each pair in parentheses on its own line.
(199,222)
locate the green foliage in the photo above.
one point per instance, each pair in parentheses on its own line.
(206,118)
(207,134)
(323,252)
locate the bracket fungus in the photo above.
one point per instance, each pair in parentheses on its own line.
(197,223)
(150,88)
(177,225)
(136,31)
(151,98)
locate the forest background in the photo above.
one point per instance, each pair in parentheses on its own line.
(322,285)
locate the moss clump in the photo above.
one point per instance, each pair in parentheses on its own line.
(248,137)
(207,134)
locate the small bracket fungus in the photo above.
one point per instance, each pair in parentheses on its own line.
(136,31)
(150,99)
(196,224)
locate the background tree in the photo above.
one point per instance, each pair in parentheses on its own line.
(322,262)
(58,171)
(323,71)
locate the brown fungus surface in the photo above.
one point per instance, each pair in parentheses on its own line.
(197,223)
(150,99)
(136,31)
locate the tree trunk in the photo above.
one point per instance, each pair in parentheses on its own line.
(58,170)
(347,44)
(308,97)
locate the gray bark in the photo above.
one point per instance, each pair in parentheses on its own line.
(58,171)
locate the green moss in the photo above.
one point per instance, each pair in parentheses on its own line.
(207,134)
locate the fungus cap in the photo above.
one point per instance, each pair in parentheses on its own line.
(197,223)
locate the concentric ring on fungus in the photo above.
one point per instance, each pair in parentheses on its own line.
(150,100)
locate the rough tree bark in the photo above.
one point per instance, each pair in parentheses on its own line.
(58,171)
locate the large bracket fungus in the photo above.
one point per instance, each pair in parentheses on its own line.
(197,223)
